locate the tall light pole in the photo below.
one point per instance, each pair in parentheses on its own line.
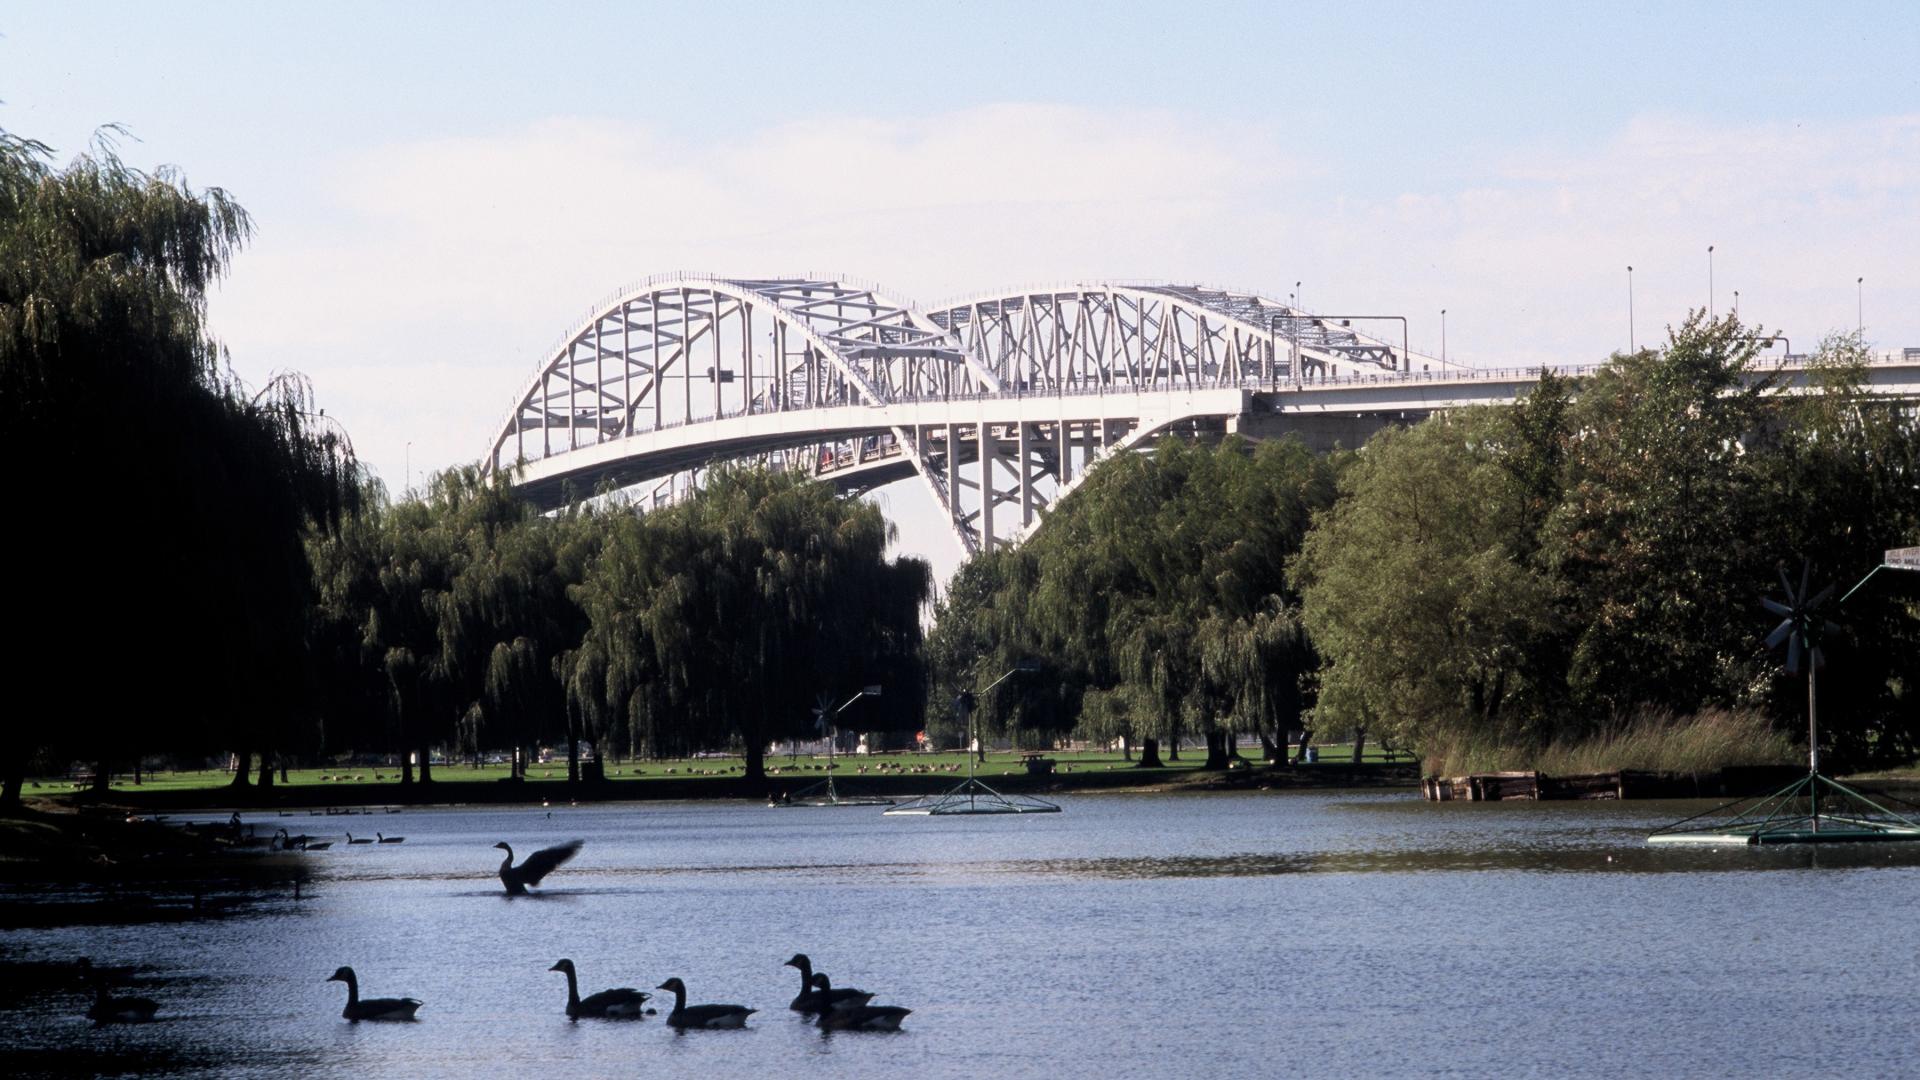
(1736,303)
(1709,281)
(1630,346)
(1443,335)
(1860,305)
(1296,294)
(409,492)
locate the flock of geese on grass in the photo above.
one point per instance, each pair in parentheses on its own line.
(835,1008)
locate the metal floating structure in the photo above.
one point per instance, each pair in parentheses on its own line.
(1813,810)
(825,793)
(1796,814)
(974,797)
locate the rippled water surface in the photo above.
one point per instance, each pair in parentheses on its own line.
(1153,936)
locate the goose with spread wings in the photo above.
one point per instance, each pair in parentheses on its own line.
(533,867)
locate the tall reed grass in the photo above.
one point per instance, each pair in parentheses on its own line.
(1657,741)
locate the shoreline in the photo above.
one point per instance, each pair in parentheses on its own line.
(500,792)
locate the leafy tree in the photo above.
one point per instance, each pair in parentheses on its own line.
(188,630)
(1155,596)
(1416,596)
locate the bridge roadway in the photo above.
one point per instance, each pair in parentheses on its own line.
(860,447)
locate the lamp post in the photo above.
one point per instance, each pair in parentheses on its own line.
(1860,305)
(964,704)
(1630,345)
(829,726)
(1443,348)
(1709,280)
(1736,303)
(409,492)
(1296,294)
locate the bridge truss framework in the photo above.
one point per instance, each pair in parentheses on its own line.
(1000,403)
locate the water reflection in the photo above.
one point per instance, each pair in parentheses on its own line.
(1129,936)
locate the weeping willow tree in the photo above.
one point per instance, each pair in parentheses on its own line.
(169,593)
(715,623)
(1157,595)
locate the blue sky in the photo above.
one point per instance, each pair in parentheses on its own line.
(440,189)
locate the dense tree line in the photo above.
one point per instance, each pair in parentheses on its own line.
(464,620)
(1156,601)
(1593,553)
(158,581)
(210,573)
(1505,576)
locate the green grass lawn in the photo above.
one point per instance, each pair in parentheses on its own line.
(801,769)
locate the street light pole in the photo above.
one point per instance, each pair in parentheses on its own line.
(1709,281)
(1443,346)
(1630,344)
(967,700)
(1860,305)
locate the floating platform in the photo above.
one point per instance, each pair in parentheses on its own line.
(825,794)
(973,797)
(1813,810)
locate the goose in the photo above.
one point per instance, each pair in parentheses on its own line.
(385,839)
(321,846)
(362,840)
(108,1009)
(536,866)
(686,1016)
(625,1003)
(810,1000)
(372,1008)
(858,1017)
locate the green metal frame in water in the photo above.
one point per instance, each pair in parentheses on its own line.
(825,794)
(1813,810)
(974,797)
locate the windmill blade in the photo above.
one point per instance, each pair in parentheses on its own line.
(1793,655)
(1786,584)
(1828,629)
(1818,598)
(1779,634)
(1806,578)
(1776,607)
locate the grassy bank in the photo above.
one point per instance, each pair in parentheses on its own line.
(1653,742)
(715,777)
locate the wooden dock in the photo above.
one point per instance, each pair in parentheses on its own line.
(1732,782)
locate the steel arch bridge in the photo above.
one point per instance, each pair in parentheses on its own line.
(999,403)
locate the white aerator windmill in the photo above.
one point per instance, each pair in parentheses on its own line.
(1816,809)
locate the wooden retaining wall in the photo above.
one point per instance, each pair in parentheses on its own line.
(1731,782)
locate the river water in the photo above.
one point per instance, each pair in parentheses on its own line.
(1321,934)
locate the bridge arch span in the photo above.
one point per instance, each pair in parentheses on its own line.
(697,352)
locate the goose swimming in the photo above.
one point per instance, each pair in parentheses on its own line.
(702,1016)
(371,1008)
(810,1000)
(858,1017)
(625,1003)
(107,1009)
(534,867)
